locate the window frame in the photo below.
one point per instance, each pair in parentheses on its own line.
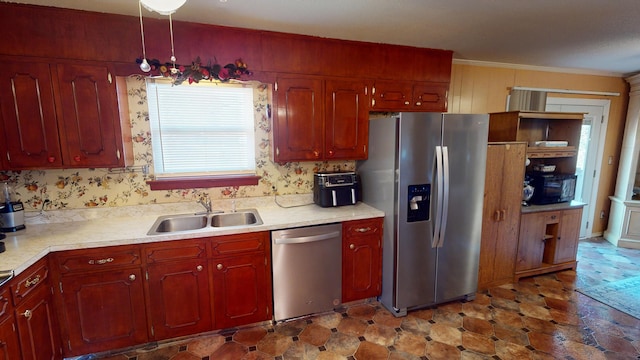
(188,181)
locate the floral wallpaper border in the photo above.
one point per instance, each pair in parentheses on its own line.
(88,188)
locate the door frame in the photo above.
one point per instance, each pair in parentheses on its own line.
(599,152)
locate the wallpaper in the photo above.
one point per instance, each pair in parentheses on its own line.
(85,188)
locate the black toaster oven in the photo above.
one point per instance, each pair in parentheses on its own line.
(335,188)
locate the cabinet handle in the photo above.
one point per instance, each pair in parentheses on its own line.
(363,230)
(31,282)
(132,277)
(418,103)
(352,246)
(331,152)
(77,158)
(27,314)
(100,261)
(316,153)
(503,213)
(51,159)
(406,102)
(219,266)
(496,215)
(199,267)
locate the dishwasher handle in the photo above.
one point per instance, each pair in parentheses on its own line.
(306,239)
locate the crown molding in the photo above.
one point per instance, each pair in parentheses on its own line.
(537,68)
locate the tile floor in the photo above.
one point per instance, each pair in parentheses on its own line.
(538,318)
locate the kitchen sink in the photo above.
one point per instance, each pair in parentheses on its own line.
(173,223)
(191,222)
(238,218)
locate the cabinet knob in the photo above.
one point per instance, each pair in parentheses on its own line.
(77,158)
(132,277)
(418,103)
(51,159)
(406,102)
(316,153)
(199,267)
(363,230)
(351,246)
(27,314)
(331,153)
(219,266)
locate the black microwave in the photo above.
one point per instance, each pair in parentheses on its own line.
(552,188)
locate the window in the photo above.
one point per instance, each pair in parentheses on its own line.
(204,129)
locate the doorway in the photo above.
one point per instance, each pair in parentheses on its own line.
(590,151)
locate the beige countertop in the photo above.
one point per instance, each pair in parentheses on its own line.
(552,207)
(88,228)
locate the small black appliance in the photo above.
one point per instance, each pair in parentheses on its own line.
(335,188)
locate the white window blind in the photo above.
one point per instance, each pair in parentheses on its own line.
(201,129)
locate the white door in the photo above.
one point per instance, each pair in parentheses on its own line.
(590,151)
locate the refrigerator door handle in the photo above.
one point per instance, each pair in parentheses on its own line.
(445,191)
(437,172)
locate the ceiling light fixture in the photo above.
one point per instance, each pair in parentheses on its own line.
(163,7)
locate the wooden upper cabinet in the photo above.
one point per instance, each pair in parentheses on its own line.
(62,116)
(409,96)
(346,119)
(320,119)
(90,119)
(299,119)
(28,113)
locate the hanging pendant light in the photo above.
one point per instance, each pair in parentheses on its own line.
(163,7)
(144,65)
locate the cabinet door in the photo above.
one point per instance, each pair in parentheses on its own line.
(346,119)
(361,259)
(37,327)
(430,97)
(179,298)
(501,213)
(392,95)
(567,241)
(299,120)
(531,241)
(241,290)
(104,310)
(90,122)
(9,345)
(28,117)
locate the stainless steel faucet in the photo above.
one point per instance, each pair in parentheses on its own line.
(206,203)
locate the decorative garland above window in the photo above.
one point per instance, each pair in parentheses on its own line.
(197,72)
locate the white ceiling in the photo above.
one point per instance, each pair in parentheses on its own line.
(594,35)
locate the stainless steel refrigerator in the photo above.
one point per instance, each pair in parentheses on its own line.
(426,172)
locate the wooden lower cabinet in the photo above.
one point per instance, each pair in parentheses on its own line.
(37,326)
(34,313)
(361,259)
(241,269)
(104,310)
(548,241)
(179,300)
(9,344)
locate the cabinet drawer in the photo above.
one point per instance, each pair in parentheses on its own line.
(175,250)
(240,243)
(29,280)
(362,227)
(97,259)
(552,217)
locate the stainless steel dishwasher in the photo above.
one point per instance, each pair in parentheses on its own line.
(307,270)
